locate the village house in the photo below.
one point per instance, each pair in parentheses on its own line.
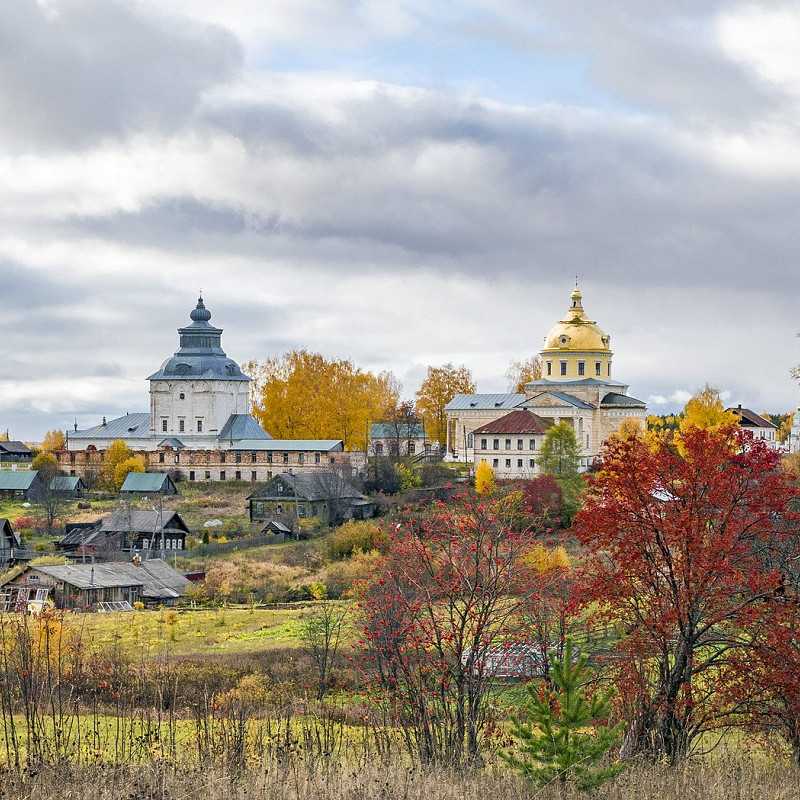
(291,497)
(127,530)
(22,485)
(95,586)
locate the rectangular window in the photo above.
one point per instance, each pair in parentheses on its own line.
(531,463)
(208,475)
(222,475)
(563,367)
(508,462)
(483,444)
(508,444)
(269,458)
(519,463)
(496,444)
(532,444)
(285,458)
(581,368)
(609,369)
(587,441)
(279,508)
(160,458)
(302,458)
(317,458)
(238,458)
(191,474)
(253,458)
(72,458)
(495,463)
(597,366)
(177,458)
(164,425)
(549,367)
(253,476)
(520,444)
(222,457)
(301,509)
(238,475)
(412,448)
(199,426)
(181,425)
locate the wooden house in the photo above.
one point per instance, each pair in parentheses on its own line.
(292,496)
(97,586)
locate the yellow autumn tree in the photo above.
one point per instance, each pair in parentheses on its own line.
(706,410)
(54,440)
(484,478)
(440,386)
(522,371)
(303,395)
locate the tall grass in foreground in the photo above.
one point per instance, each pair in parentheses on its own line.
(77,724)
(293,780)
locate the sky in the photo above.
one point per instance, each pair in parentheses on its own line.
(399,182)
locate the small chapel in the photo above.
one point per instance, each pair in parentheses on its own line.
(576,388)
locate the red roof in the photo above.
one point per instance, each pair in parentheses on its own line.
(749,419)
(516,422)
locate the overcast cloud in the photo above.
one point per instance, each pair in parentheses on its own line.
(401,182)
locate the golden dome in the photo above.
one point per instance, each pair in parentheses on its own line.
(576,332)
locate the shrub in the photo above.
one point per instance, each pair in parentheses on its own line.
(355,537)
(343,575)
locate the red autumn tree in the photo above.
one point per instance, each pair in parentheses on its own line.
(542,498)
(762,683)
(441,612)
(686,549)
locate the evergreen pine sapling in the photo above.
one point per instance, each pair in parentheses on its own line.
(557,743)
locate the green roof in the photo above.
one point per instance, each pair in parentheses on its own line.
(17,480)
(145,482)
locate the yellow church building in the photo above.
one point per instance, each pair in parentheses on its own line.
(576,388)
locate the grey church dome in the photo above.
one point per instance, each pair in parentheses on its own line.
(200,355)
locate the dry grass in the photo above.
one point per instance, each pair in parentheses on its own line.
(296,780)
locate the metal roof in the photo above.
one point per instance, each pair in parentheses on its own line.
(66,483)
(565,398)
(485,401)
(290,445)
(147,482)
(615,399)
(200,355)
(131,426)
(546,383)
(17,480)
(391,430)
(519,421)
(242,426)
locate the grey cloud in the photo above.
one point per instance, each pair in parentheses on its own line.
(81,70)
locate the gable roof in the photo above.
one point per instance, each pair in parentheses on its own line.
(312,486)
(7,532)
(156,578)
(66,483)
(562,397)
(483,402)
(140,521)
(242,426)
(17,480)
(147,482)
(520,421)
(749,418)
(131,426)
(16,447)
(391,430)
